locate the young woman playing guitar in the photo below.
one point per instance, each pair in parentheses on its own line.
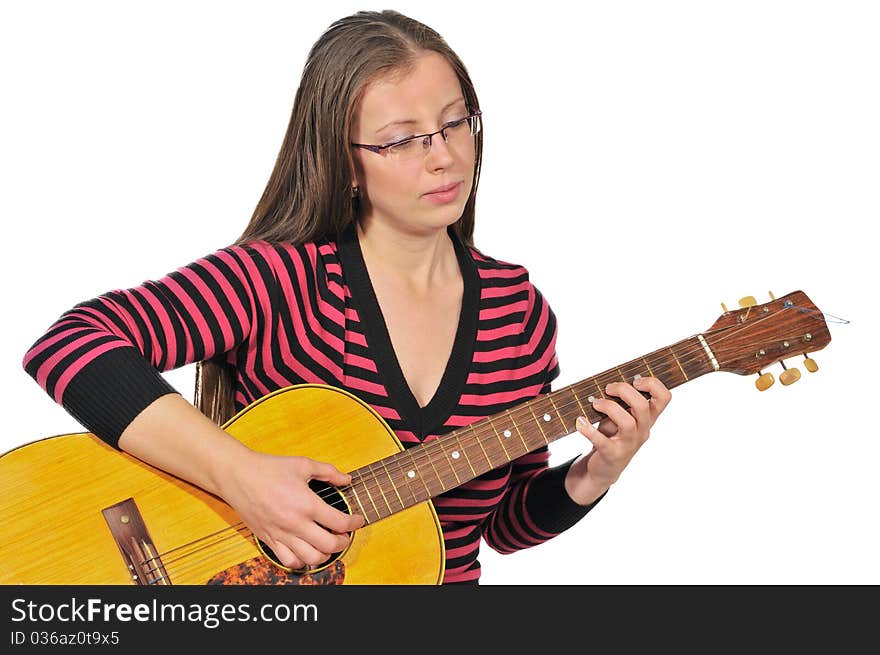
(357,270)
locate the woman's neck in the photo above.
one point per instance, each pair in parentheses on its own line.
(421,260)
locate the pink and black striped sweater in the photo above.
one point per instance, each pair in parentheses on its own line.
(286,315)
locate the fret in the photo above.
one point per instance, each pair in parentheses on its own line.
(622,376)
(409,478)
(370,496)
(506,435)
(357,499)
(480,444)
(443,486)
(584,412)
(558,414)
(648,366)
(679,364)
(379,486)
(451,465)
(500,440)
(393,486)
(553,420)
(415,467)
(384,497)
(543,434)
(463,451)
(409,472)
(513,423)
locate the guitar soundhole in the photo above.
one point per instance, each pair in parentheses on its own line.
(332,497)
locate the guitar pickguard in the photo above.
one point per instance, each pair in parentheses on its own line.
(260,571)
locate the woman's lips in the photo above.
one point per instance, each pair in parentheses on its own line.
(442,197)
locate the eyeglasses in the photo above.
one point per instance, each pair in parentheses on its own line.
(456,133)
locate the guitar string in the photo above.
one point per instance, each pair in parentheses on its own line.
(220,534)
(217,548)
(322,495)
(399,466)
(205,552)
(210,550)
(566,405)
(168,564)
(474,436)
(664,368)
(697,349)
(477,435)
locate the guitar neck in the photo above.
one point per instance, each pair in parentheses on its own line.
(416,474)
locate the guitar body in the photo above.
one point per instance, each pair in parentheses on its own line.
(53,529)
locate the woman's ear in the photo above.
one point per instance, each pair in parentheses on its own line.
(353,171)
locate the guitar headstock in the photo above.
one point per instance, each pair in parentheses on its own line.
(749,339)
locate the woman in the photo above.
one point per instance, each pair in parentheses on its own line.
(357,270)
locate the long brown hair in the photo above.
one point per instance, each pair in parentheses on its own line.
(308,195)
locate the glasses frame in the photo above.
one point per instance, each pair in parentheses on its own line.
(426,138)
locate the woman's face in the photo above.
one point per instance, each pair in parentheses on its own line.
(396,190)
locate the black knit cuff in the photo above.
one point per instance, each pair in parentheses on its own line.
(550,506)
(111,390)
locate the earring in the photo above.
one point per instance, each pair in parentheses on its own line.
(355,191)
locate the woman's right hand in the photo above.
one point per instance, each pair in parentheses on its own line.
(271,493)
(272,496)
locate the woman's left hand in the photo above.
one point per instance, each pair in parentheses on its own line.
(619,435)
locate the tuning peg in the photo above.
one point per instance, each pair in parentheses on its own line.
(724,307)
(789,375)
(764,381)
(748,301)
(772,297)
(810,364)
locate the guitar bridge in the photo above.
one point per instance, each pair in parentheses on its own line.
(138,552)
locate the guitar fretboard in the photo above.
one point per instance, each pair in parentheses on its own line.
(422,472)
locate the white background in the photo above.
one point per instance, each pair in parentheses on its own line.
(646,161)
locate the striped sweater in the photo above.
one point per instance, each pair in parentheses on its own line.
(284,315)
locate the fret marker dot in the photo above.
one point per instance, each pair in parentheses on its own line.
(411,474)
(591,400)
(637,376)
(546,417)
(455,454)
(507,433)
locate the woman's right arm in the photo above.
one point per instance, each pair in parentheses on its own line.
(270,493)
(101,360)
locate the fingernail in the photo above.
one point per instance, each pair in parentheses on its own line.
(581,422)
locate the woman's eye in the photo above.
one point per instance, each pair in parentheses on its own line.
(402,146)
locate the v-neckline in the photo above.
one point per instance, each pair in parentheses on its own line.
(422,420)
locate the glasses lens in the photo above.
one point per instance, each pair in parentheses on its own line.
(408,149)
(458,133)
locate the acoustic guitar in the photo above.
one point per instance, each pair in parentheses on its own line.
(75,511)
